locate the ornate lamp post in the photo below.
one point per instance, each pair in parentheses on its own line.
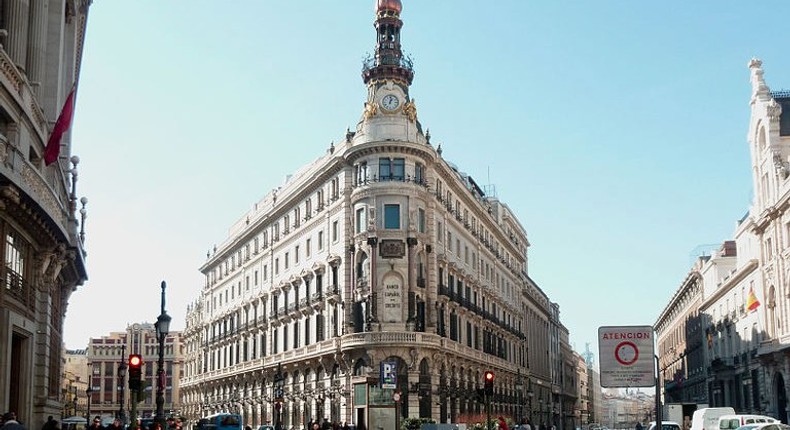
(89,393)
(162,328)
(122,386)
(519,389)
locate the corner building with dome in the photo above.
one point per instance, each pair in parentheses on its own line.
(379,264)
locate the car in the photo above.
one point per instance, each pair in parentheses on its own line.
(767,426)
(732,422)
(266,427)
(665,425)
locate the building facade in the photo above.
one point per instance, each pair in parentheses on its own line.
(680,340)
(379,264)
(723,338)
(40,51)
(74,388)
(109,389)
(769,221)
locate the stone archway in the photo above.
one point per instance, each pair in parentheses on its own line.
(780,397)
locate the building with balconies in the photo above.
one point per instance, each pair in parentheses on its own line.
(110,395)
(378,280)
(41,47)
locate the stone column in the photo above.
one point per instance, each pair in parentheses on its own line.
(17,14)
(36,43)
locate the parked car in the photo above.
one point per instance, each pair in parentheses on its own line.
(767,426)
(708,418)
(665,425)
(732,422)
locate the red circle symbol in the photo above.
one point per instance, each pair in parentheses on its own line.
(626,353)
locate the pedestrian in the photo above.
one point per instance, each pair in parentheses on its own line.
(639,426)
(10,422)
(527,426)
(50,424)
(96,425)
(116,425)
(502,423)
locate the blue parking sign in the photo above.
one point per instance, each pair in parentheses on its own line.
(388,374)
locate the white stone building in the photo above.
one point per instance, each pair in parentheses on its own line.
(735,303)
(769,219)
(380,253)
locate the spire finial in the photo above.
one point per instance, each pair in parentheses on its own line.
(759,88)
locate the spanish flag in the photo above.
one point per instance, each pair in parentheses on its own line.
(751,302)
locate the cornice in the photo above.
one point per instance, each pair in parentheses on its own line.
(729,283)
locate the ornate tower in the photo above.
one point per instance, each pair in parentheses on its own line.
(388,73)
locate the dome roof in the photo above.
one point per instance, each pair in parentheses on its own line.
(393,5)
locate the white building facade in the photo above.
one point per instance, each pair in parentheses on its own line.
(378,264)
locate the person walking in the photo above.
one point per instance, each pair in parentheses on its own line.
(10,422)
(639,426)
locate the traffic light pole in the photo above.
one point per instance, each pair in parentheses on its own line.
(488,413)
(133,396)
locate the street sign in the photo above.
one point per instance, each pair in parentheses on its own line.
(626,355)
(388,375)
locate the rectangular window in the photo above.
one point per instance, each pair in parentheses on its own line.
(307,248)
(255,276)
(276,266)
(421,220)
(398,169)
(360,218)
(392,169)
(287,260)
(419,173)
(439,232)
(392,217)
(265,271)
(385,172)
(334,232)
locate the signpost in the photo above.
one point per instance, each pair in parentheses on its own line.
(626,355)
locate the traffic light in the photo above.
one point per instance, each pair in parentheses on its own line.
(488,386)
(135,371)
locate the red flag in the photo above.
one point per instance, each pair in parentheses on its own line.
(61,125)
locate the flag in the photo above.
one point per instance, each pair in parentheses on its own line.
(63,123)
(751,301)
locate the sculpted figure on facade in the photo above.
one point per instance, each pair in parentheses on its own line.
(370,110)
(410,110)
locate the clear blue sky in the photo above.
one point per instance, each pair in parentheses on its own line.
(616,131)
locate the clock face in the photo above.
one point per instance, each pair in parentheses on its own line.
(390,102)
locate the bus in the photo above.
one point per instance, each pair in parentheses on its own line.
(221,421)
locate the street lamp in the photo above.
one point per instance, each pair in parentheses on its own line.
(278,397)
(162,326)
(89,392)
(519,389)
(121,386)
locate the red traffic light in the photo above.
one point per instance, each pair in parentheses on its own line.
(135,360)
(489,376)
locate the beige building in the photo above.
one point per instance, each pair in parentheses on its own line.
(40,53)
(581,409)
(379,264)
(103,361)
(74,383)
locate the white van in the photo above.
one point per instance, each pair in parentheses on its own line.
(708,418)
(732,422)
